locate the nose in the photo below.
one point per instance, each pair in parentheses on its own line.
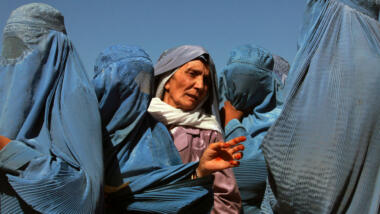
(199,83)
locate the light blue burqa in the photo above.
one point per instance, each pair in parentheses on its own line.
(249,83)
(141,161)
(323,151)
(48,108)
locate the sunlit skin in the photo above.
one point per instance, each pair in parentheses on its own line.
(220,155)
(185,90)
(4,141)
(188,86)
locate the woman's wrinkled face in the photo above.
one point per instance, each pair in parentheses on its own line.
(188,87)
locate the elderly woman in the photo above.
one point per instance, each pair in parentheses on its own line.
(143,169)
(50,157)
(250,83)
(323,151)
(185,102)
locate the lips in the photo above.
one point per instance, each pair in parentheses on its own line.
(194,97)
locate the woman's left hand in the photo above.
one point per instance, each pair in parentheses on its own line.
(3,141)
(220,155)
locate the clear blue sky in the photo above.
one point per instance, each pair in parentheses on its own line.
(155,25)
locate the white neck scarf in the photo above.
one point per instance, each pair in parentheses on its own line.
(169,115)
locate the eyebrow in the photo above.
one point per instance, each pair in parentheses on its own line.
(198,71)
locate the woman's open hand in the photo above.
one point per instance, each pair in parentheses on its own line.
(3,141)
(220,155)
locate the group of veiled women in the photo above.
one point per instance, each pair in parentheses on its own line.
(133,138)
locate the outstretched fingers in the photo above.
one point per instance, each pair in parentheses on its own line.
(235,149)
(234,141)
(217,145)
(237,156)
(230,145)
(234,163)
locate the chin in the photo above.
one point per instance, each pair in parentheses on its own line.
(188,107)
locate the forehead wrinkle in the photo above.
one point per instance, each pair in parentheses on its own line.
(198,70)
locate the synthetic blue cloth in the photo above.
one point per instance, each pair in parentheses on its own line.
(280,71)
(140,156)
(248,82)
(323,151)
(248,76)
(49,109)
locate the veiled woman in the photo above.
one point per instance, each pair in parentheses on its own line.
(249,84)
(323,151)
(51,155)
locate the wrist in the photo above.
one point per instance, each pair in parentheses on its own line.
(201,172)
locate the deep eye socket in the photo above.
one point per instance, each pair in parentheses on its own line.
(192,73)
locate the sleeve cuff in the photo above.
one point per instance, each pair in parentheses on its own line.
(232,129)
(16,154)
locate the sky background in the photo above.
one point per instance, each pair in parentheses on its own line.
(156,25)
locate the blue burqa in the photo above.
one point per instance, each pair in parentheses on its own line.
(249,83)
(280,72)
(143,170)
(323,151)
(48,108)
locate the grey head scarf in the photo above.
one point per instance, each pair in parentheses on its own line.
(173,58)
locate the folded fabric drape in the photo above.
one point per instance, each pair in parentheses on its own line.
(48,107)
(323,151)
(250,83)
(142,165)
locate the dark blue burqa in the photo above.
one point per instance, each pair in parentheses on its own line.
(323,151)
(48,108)
(249,83)
(143,170)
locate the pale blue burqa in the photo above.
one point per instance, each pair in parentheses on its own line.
(141,161)
(251,81)
(48,108)
(323,151)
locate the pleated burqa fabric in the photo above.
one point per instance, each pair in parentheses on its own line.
(143,170)
(48,108)
(249,82)
(323,151)
(280,72)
